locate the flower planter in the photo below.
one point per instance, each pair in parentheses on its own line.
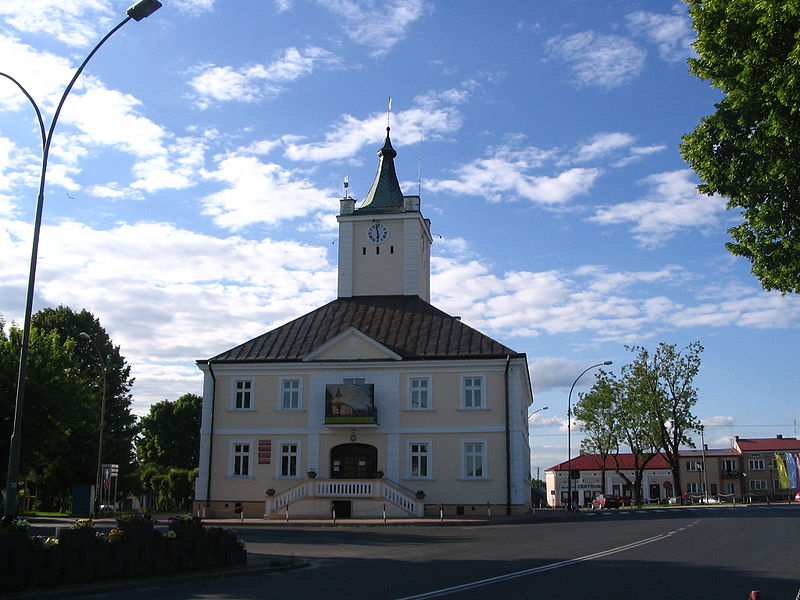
(75,538)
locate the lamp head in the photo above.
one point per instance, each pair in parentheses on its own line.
(143,8)
(84,336)
(609,362)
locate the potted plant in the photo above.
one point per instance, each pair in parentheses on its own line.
(270,491)
(420,495)
(311,474)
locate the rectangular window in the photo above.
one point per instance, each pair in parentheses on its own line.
(418,393)
(730,488)
(290,394)
(694,465)
(757,485)
(419,460)
(473,392)
(755,464)
(474,460)
(729,466)
(243,394)
(693,487)
(241,459)
(289,456)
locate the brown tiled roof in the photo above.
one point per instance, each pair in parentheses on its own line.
(407,325)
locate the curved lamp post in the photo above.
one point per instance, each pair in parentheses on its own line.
(137,12)
(98,478)
(569,431)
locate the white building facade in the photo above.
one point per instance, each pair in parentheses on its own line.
(376,403)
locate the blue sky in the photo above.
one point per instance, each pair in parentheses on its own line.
(196,169)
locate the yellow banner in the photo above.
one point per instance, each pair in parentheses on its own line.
(783,475)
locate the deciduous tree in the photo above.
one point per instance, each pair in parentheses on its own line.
(749,149)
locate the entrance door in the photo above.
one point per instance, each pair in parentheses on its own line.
(655,491)
(354,461)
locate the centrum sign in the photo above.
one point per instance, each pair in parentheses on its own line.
(581,486)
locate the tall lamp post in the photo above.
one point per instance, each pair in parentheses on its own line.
(569,431)
(705,474)
(137,12)
(98,478)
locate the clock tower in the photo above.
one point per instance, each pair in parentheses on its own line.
(384,245)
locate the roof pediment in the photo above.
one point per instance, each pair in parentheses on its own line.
(352,344)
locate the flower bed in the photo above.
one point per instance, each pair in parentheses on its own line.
(79,554)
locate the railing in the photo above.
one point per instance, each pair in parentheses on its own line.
(343,489)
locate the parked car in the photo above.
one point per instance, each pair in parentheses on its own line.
(625,501)
(605,501)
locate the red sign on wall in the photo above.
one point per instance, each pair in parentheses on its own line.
(264,452)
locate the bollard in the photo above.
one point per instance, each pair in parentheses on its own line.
(384,513)
(334,515)
(287,514)
(489,510)
(441,512)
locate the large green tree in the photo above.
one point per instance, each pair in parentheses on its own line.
(61,416)
(170,433)
(749,149)
(596,412)
(663,381)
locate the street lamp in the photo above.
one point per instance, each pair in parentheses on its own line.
(137,12)
(569,430)
(98,478)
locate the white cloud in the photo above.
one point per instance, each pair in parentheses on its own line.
(719,421)
(604,61)
(253,83)
(507,175)
(72,22)
(379,25)
(671,33)
(602,144)
(259,192)
(432,116)
(194,8)
(157,288)
(556,374)
(672,205)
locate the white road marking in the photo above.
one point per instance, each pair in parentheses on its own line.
(526,572)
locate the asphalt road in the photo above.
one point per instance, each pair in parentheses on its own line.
(706,553)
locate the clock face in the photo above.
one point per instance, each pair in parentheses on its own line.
(378,232)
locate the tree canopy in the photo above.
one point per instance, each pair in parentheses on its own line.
(749,149)
(170,433)
(61,417)
(647,408)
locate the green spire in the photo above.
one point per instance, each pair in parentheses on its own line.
(385,194)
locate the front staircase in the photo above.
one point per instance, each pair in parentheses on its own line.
(314,497)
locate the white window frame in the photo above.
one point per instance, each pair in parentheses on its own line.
(729,465)
(236,452)
(250,391)
(284,454)
(411,453)
(427,389)
(692,487)
(730,488)
(755,464)
(282,391)
(467,386)
(757,485)
(467,452)
(694,466)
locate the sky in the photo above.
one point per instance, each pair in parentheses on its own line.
(195,172)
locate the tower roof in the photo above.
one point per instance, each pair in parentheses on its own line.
(384,196)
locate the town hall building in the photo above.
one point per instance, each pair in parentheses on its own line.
(375,403)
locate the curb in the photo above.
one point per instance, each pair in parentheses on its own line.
(269,564)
